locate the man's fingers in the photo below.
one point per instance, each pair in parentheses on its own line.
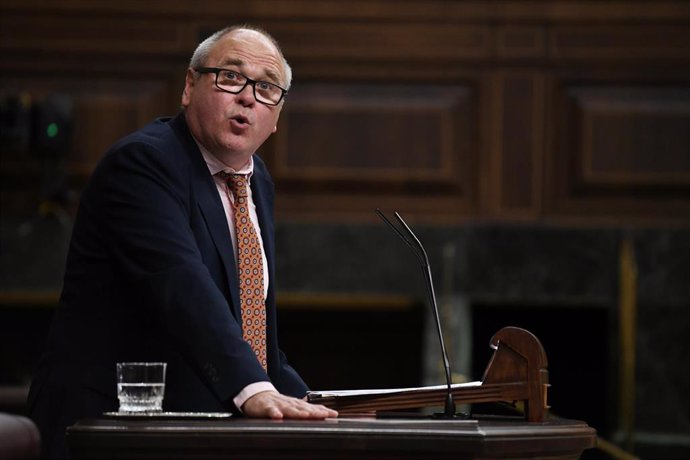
(273,405)
(274,413)
(329,412)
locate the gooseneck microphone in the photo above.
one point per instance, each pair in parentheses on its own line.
(415,245)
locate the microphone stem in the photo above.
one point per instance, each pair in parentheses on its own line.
(416,246)
(449,408)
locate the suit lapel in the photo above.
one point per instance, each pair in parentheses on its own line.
(211,209)
(214,214)
(262,194)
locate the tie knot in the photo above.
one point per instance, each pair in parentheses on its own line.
(237,183)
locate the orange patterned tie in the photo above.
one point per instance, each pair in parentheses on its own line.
(250,270)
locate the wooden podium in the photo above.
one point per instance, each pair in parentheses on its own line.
(342,438)
(517,372)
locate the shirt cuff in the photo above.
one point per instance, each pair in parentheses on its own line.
(250,390)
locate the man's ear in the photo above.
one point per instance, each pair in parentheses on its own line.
(188,86)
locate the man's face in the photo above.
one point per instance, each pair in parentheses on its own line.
(233,126)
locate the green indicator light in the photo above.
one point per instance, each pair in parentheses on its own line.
(52,130)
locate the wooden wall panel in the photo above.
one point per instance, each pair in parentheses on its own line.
(521,146)
(618,41)
(107,113)
(374,131)
(621,149)
(388,42)
(98,34)
(449,110)
(636,136)
(521,42)
(385,140)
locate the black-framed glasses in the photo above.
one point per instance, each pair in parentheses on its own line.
(234,82)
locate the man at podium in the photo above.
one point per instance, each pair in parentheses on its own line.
(172,256)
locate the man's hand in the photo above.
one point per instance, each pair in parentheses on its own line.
(271,404)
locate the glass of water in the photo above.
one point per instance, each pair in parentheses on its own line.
(141,386)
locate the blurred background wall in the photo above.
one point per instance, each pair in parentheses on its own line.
(541,149)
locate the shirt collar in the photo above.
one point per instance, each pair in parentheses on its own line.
(215,165)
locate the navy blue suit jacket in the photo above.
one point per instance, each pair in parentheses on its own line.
(151,276)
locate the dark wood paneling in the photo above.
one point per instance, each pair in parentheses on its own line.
(109,111)
(81,33)
(620,42)
(521,42)
(521,142)
(376,132)
(621,148)
(384,41)
(385,140)
(103,110)
(636,136)
(448,110)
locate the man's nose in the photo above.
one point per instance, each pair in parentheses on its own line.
(246,96)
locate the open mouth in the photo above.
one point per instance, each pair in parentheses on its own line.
(241,120)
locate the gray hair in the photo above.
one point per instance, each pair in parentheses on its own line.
(200,56)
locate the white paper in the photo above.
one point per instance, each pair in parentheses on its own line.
(383,391)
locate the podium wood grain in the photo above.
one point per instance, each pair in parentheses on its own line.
(343,438)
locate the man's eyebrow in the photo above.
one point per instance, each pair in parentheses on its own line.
(273,76)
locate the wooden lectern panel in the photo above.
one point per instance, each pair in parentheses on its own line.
(338,439)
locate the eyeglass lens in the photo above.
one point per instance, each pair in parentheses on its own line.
(234,82)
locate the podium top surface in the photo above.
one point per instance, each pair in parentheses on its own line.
(352,437)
